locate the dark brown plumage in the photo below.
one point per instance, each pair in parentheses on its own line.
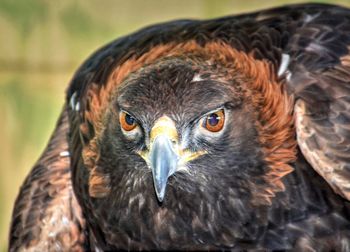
(230,133)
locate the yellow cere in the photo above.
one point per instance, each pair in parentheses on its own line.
(165,126)
(187,155)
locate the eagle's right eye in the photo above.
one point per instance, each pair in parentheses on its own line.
(127,122)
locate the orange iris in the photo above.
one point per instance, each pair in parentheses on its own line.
(214,122)
(127,122)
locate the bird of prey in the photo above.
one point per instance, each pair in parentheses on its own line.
(231,133)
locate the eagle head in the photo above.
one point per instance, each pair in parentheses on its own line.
(176,153)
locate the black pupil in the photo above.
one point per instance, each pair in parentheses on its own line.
(129,119)
(213,119)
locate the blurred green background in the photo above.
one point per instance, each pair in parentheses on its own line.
(42,42)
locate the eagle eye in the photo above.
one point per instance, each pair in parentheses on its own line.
(127,122)
(214,121)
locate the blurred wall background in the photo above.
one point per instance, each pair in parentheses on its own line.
(42,42)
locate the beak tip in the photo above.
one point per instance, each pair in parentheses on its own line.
(160,194)
(160,198)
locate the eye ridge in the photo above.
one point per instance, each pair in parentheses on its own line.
(214,122)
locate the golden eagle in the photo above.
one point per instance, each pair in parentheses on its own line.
(230,133)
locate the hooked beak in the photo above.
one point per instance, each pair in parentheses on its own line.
(165,156)
(163,159)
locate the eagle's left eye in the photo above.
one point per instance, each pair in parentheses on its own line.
(127,122)
(214,121)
